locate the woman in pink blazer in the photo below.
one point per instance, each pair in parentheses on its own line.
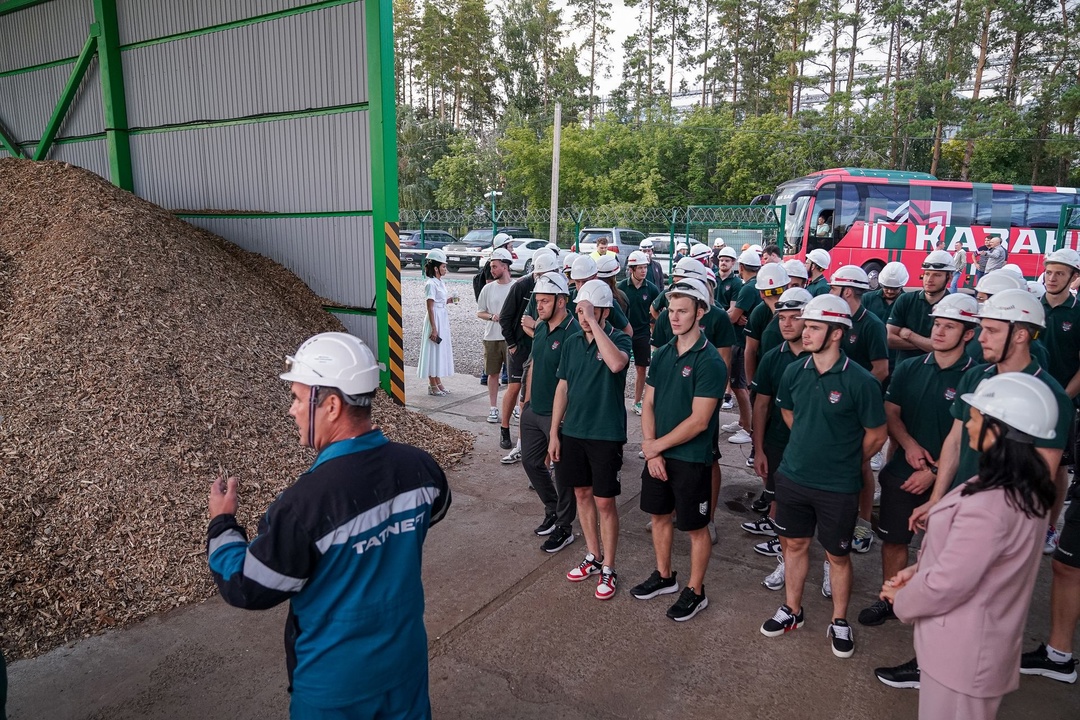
(969,592)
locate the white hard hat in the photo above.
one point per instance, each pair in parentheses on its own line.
(893,275)
(796,269)
(584,267)
(820,257)
(597,292)
(544,261)
(552,247)
(693,287)
(645,244)
(771,277)
(697,250)
(551,284)
(1021,401)
(749,258)
(568,261)
(607,266)
(728,252)
(997,280)
(437,255)
(794,299)
(1065,256)
(501,240)
(637,258)
(938,260)
(828,309)
(957,306)
(681,246)
(502,254)
(689,267)
(335,360)
(850,276)
(1014,306)
(1036,288)
(1013,268)
(719,243)
(756,248)
(710,276)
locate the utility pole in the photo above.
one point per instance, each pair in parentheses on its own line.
(553,226)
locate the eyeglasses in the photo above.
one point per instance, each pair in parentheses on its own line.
(790,304)
(936,266)
(682,286)
(291,362)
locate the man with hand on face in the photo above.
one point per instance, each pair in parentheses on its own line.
(910,321)
(343,545)
(678,422)
(588,430)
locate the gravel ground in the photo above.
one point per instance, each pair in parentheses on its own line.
(467,330)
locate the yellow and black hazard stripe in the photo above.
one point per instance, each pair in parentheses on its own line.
(393,315)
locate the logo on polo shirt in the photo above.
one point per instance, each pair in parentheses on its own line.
(599,357)
(834,397)
(950,393)
(645,297)
(686,371)
(852,339)
(555,345)
(1066,326)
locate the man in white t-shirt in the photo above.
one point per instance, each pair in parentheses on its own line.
(488,306)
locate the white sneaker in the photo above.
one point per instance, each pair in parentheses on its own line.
(878,461)
(1052,537)
(775,579)
(517,413)
(862,540)
(731,427)
(727,405)
(741,438)
(514,456)
(712,532)
(826,582)
(641,454)
(493,416)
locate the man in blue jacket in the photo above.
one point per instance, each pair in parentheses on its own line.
(343,544)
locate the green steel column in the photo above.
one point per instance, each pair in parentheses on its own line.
(382,123)
(111,68)
(82,64)
(8,141)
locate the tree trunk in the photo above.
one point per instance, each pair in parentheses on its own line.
(592,65)
(984,42)
(893,149)
(945,92)
(671,64)
(793,68)
(705,58)
(735,60)
(854,48)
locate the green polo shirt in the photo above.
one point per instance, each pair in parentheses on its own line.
(747,299)
(715,325)
(595,408)
(547,351)
(818,287)
(766,381)
(678,379)
(969,459)
(760,317)
(616,317)
(924,391)
(727,289)
(867,340)
(639,301)
(1062,338)
(911,310)
(771,337)
(874,301)
(975,352)
(832,411)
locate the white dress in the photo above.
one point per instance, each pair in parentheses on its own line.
(436,360)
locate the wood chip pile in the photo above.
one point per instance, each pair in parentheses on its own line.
(138,356)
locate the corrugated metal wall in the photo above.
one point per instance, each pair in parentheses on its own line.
(44,33)
(27,100)
(142,20)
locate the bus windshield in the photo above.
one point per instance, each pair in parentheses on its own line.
(796,216)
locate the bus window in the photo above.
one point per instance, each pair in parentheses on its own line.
(883,202)
(836,210)
(1044,209)
(961,201)
(1006,210)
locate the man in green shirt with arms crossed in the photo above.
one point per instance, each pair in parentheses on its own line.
(910,322)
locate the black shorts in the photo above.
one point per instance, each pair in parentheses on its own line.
(515,362)
(896,508)
(642,350)
(590,463)
(773,456)
(687,492)
(1068,549)
(1068,456)
(738,368)
(800,510)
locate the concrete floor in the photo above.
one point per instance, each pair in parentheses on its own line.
(511,638)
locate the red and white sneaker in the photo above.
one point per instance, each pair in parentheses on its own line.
(589,566)
(605,589)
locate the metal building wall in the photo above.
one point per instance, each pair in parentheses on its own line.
(268,122)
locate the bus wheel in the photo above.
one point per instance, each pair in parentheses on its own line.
(872,269)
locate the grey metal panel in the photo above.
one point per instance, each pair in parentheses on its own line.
(365,327)
(27,102)
(299,62)
(44,33)
(151,19)
(335,256)
(311,164)
(92,155)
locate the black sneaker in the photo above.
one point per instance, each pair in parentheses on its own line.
(902,676)
(764,500)
(688,605)
(559,538)
(843,642)
(655,585)
(504,438)
(782,622)
(762,526)
(547,526)
(877,613)
(1037,662)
